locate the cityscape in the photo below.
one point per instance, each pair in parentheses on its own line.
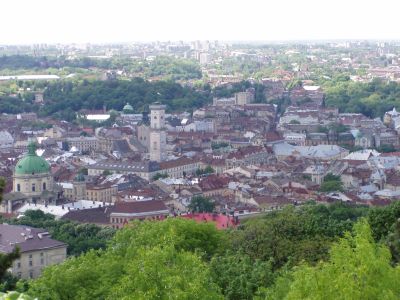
(200,168)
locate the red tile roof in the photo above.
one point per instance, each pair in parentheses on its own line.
(221,221)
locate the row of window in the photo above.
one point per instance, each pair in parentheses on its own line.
(30,263)
(33,187)
(125,220)
(19,274)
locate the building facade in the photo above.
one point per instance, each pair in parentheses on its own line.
(37,249)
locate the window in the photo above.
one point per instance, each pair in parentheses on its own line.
(19,265)
(30,263)
(31,274)
(42,261)
(33,187)
(30,255)
(19,274)
(44,186)
(18,187)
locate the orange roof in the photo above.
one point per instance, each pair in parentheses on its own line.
(221,221)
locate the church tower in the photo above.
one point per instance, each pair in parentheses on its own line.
(158,137)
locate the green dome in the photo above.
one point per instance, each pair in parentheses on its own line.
(128,107)
(31,163)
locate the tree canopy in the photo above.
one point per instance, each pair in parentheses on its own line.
(201,204)
(312,251)
(358,268)
(147,260)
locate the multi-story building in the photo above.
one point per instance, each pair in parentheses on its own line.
(123,212)
(143,169)
(83,144)
(101,193)
(179,167)
(36,247)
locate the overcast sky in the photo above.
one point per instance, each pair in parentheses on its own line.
(65,21)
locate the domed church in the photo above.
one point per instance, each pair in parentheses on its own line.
(32,174)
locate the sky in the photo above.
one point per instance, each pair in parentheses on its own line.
(98,21)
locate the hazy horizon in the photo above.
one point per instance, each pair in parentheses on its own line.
(105,22)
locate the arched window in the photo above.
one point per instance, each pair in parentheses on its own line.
(33,187)
(44,186)
(18,187)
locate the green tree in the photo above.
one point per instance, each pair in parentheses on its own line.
(358,268)
(331,183)
(295,234)
(106,173)
(201,204)
(160,176)
(206,170)
(393,241)
(165,273)
(84,171)
(382,219)
(147,260)
(15,296)
(239,277)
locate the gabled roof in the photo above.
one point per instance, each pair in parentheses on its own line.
(26,238)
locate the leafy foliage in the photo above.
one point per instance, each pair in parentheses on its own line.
(201,204)
(239,276)
(115,94)
(15,296)
(160,176)
(294,235)
(372,99)
(148,260)
(206,170)
(174,68)
(358,268)
(332,183)
(282,255)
